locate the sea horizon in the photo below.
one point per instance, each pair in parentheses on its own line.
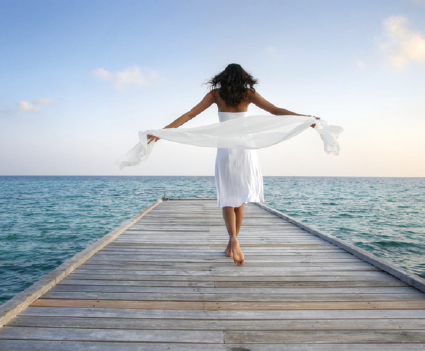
(265,176)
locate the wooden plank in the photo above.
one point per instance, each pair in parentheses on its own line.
(218,252)
(216,243)
(242,282)
(87,295)
(261,260)
(337,337)
(213,324)
(302,247)
(310,284)
(210,240)
(111,287)
(217,248)
(225,265)
(220,261)
(294,277)
(222,314)
(111,335)
(66,345)
(215,306)
(242,272)
(129,283)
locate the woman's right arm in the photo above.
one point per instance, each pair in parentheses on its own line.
(206,102)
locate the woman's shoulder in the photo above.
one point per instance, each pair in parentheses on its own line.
(211,97)
(252,94)
(214,92)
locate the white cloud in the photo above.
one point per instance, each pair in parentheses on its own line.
(403,45)
(28,107)
(102,74)
(130,76)
(35,105)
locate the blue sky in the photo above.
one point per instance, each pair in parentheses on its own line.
(80,78)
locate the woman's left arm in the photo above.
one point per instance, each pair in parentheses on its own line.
(258,100)
(206,102)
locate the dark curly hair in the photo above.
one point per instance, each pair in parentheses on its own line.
(233,84)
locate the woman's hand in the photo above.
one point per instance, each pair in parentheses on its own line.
(313,125)
(152,138)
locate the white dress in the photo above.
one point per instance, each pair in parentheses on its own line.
(238,175)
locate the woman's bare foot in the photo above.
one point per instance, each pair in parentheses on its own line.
(238,256)
(228,251)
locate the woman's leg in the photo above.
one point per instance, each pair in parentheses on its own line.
(233,217)
(239,211)
(230,221)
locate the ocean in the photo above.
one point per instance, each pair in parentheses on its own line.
(46,220)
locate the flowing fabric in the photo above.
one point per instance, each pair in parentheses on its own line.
(251,132)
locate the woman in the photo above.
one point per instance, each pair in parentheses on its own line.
(237,172)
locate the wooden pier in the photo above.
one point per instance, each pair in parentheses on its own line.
(161,281)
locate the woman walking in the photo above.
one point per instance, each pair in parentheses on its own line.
(238,175)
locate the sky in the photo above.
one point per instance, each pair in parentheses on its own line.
(79,79)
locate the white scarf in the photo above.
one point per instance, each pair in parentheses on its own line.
(252,132)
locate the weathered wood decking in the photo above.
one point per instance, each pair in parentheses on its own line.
(165,284)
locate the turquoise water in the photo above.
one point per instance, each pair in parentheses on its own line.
(46,220)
